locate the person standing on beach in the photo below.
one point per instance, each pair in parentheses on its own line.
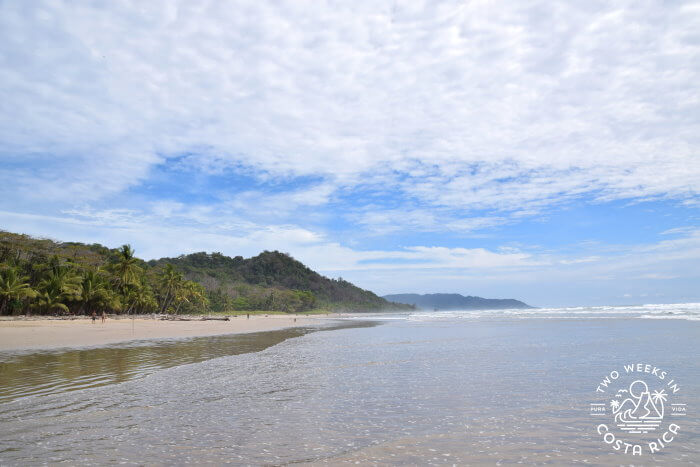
(104,316)
(94,317)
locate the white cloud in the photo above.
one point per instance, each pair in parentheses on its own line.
(474,105)
(666,271)
(155,235)
(526,272)
(445,117)
(587,259)
(378,221)
(679,231)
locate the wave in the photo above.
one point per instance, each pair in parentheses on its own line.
(679,311)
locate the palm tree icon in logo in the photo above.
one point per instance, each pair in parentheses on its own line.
(659,397)
(641,411)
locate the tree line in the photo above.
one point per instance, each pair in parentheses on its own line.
(31,283)
(48,277)
(57,278)
(273,280)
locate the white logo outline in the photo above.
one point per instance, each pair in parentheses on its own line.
(638,409)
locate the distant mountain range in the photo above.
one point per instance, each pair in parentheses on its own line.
(453,301)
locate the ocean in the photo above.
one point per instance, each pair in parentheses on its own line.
(421,388)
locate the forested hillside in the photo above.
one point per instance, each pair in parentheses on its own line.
(47,277)
(271,276)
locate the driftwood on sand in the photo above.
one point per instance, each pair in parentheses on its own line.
(203,318)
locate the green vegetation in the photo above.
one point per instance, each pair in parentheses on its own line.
(47,277)
(272,281)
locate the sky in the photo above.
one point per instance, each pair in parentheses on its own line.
(545,151)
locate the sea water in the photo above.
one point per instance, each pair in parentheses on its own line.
(509,386)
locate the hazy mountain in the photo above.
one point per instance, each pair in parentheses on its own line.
(453,301)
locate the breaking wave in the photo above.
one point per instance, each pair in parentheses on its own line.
(678,311)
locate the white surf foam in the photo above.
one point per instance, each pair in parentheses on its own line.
(684,311)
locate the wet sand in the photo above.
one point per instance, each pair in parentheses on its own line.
(404,392)
(48,334)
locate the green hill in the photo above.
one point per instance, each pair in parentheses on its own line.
(45,276)
(250,282)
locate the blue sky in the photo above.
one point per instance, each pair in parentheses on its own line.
(546,151)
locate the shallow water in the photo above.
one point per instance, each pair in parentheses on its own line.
(409,391)
(39,373)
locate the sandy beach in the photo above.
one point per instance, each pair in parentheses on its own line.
(48,334)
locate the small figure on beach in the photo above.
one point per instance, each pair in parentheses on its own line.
(94,317)
(104,316)
(247,315)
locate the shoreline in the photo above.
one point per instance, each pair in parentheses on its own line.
(48,334)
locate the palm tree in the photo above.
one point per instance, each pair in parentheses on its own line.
(614,404)
(192,293)
(127,273)
(141,298)
(126,268)
(13,287)
(59,285)
(198,295)
(171,283)
(659,396)
(96,293)
(50,300)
